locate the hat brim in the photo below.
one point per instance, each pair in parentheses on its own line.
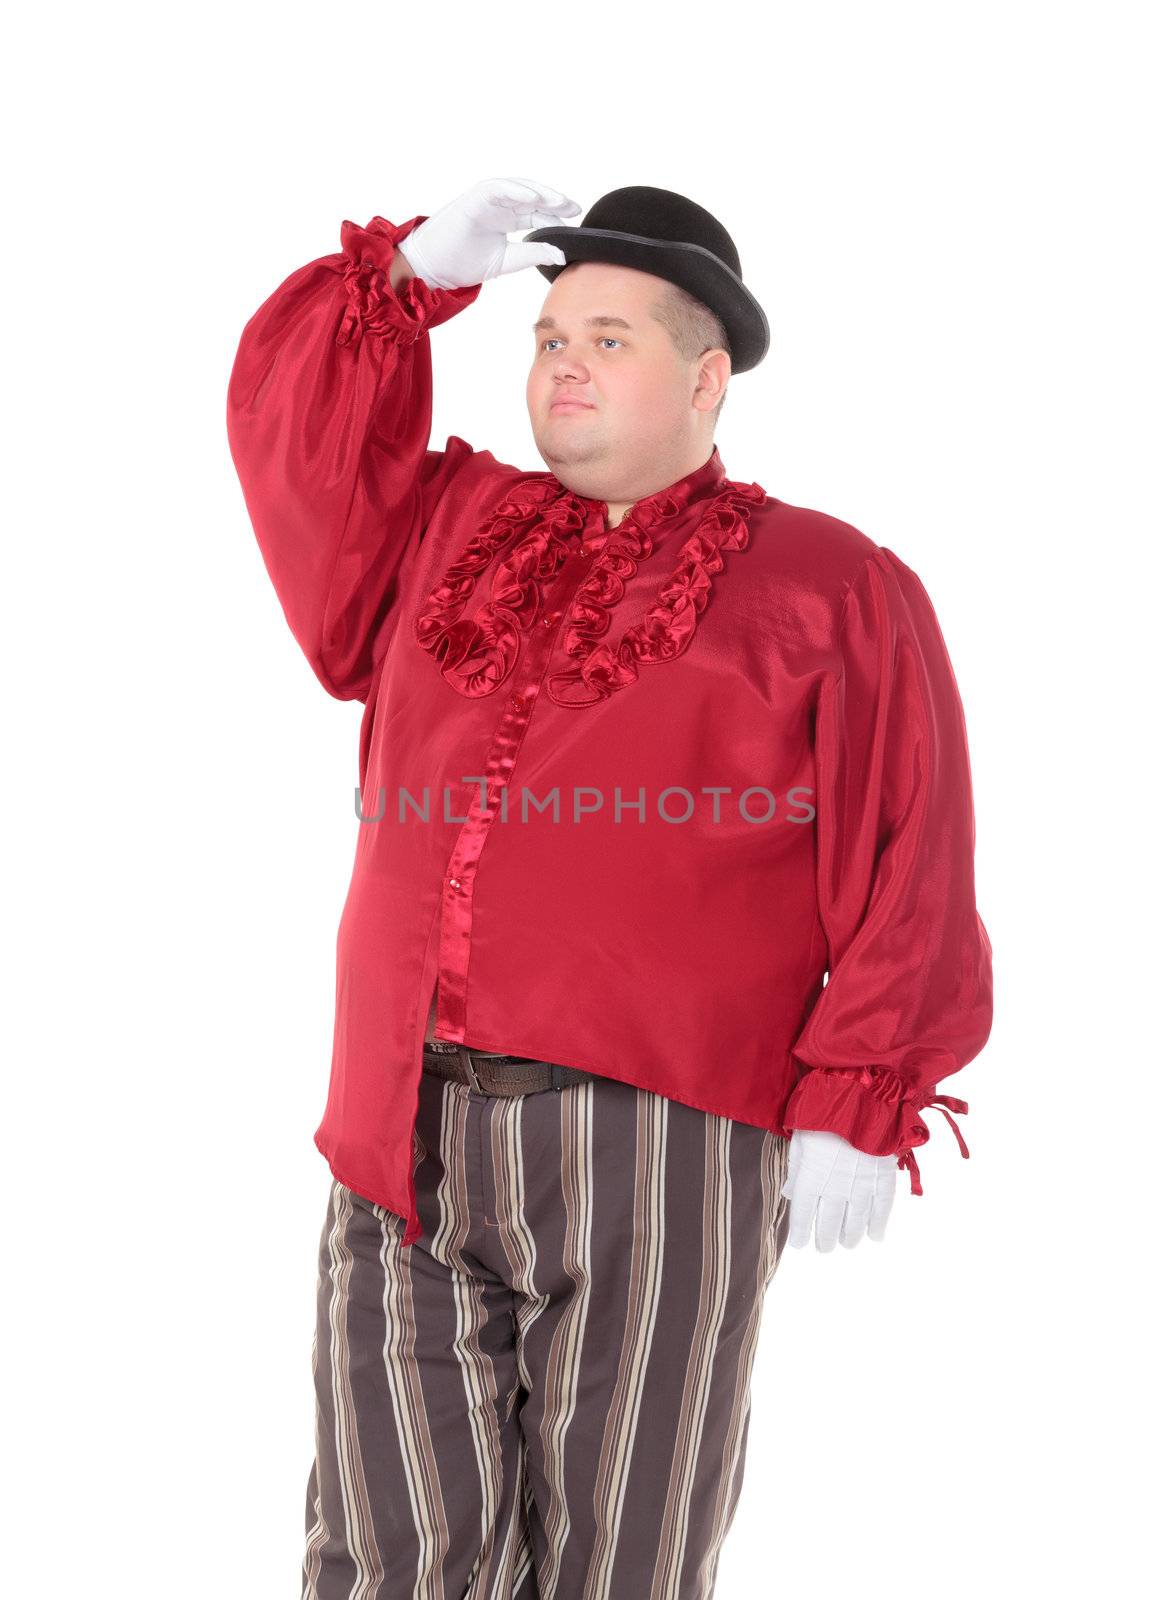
(691,266)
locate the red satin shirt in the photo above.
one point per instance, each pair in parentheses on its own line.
(754,891)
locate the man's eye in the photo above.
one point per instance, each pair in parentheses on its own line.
(606,339)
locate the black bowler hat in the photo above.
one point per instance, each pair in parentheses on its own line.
(661,232)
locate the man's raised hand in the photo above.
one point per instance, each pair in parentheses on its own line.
(466,242)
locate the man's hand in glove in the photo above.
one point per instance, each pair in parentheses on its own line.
(839,1189)
(466,242)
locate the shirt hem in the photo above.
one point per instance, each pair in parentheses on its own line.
(402,1212)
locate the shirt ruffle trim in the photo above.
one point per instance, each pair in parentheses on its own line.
(665,631)
(873,1108)
(476,654)
(374,307)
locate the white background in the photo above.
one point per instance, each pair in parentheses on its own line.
(945,212)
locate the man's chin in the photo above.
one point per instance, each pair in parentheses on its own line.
(564,444)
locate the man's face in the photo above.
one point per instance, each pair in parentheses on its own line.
(603,347)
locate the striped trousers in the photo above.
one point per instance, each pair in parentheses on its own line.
(546,1396)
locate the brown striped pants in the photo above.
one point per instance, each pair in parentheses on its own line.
(546,1396)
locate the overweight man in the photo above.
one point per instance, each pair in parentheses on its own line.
(661,932)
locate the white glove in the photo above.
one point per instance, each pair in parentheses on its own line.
(465,243)
(843,1191)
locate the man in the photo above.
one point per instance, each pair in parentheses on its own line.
(661,930)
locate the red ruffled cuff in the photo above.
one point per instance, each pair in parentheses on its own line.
(872,1108)
(374,306)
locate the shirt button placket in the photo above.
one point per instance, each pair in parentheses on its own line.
(455,930)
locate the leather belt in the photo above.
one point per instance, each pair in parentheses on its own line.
(487,1072)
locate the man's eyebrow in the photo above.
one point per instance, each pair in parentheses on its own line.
(545,323)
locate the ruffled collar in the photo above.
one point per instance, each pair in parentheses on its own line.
(542,522)
(665,503)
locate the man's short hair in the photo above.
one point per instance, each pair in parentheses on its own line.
(692,326)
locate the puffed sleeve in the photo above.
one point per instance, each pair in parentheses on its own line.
(328,416)
(908,996)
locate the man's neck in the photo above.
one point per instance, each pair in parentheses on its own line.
(616,510)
